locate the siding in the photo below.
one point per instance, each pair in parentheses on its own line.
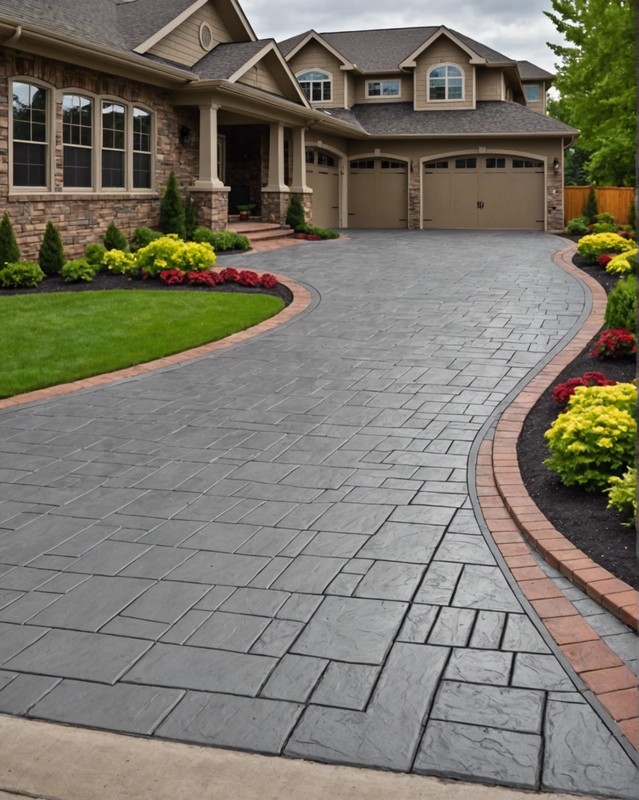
(490,84)
(406,89)
(183,44)
(443,51)
(313,56)
(260,77)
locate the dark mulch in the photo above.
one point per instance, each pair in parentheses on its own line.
(105,280)
(581,516)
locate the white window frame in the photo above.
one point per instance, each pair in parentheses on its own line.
(380,83)
(447,78)
(55,147)
(51,107)
(327,80)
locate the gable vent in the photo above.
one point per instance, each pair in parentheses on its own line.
(206,36)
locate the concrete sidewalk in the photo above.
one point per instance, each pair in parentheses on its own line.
(274,549)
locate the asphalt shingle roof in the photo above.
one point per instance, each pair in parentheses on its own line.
(490,117)
(225,60)
(380,50)
(530,71)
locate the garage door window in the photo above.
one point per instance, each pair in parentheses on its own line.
(310,157)
(392,164)
(466,163)
(495,163)
(325,160)
(436,165)
(367,164)
(522,163)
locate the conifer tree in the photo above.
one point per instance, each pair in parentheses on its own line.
(114,239)
(172,209)
(9,250)
(51,257)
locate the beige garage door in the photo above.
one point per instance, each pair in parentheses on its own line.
(484,192)
(322,175)
(378,193)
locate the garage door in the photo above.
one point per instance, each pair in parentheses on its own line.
(483,192)
(322,175)
(378,193)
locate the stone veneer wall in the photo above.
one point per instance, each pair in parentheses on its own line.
(275,206)
(555,200)
(83,217)
(414,197)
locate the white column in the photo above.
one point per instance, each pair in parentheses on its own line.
(208,177)
(298,183)
(276,160)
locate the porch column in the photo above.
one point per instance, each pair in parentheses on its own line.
(298,183)
(208,177)
(276,160)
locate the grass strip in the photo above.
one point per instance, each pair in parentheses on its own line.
(48,339)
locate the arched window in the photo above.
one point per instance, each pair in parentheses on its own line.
(30,132)
(445,82)
(316,85)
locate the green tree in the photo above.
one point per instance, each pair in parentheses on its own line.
(190,219)
(51,256)
(172,209)
(596,78)
(114,239)
(9,250)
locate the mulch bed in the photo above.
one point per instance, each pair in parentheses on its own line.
(580,516)
(105,280)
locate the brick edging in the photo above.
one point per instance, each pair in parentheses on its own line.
(301,300)
(614,594)
(601,670)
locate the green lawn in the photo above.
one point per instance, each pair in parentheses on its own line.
(47,339)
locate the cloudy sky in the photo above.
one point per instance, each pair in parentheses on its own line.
(516,28)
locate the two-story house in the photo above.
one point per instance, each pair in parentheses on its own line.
(455,134)
(419,127)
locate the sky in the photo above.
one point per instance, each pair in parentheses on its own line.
(516,28)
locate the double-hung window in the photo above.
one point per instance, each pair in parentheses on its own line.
(30,131)
(77,141)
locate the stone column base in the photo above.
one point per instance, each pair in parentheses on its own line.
(306,199)
(212,207)
(275,206)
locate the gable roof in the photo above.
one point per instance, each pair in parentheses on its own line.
(490,117)
(384,50)
(226,59)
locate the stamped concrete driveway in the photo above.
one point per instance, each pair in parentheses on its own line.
(274,548)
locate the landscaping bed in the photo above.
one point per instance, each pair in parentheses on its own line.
(107,280)
(579,515)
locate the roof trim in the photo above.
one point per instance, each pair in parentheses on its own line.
(313,35)
(49,44)
(271,47)
(411,60)
(186,14)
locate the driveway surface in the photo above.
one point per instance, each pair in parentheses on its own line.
(274,548)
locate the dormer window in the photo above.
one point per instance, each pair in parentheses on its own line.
(532,92)
(387,88)
(316,85)
(445,82)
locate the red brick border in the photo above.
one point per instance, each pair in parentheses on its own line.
(301,301)
(614,594)
(614,685)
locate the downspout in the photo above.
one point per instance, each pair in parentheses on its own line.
(16,36)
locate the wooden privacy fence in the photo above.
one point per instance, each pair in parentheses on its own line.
(615,200)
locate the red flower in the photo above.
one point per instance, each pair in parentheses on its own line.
(604,259)
(204,277)
(172,277)
(230,275)
(564,391)
(248,278)
(615,343)
(268,281)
